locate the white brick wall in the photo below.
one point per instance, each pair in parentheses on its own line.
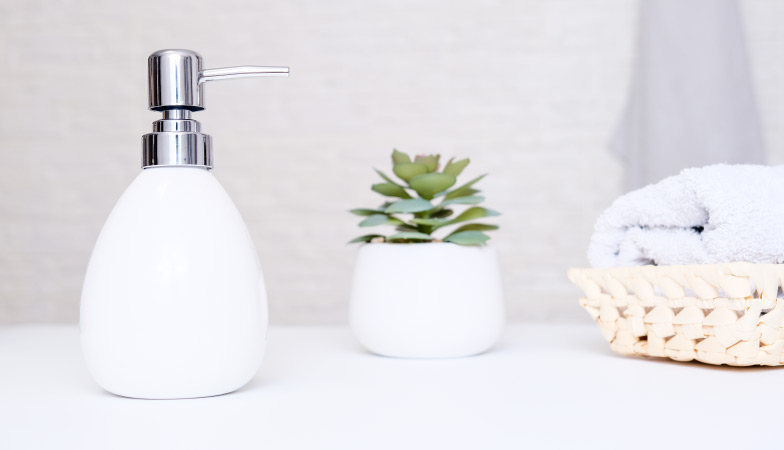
(530,90)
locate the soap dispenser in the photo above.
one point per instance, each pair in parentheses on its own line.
(174,303)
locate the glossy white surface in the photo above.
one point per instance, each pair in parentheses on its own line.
(173,304)
(541,387)
(426,300)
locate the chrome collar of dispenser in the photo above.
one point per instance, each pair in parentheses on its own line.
(175,85)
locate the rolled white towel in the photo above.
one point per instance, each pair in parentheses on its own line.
(713,214)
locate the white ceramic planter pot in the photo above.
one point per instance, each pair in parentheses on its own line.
(435,300)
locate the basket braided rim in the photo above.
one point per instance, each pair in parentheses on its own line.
(713,313)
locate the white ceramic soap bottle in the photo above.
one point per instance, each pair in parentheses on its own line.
(174,304)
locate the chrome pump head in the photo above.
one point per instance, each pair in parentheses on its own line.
(176,79)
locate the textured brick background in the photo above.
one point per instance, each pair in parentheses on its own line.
(530,90)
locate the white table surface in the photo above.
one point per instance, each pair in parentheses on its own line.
(543,386)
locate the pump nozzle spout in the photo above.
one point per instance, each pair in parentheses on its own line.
(175,81)
(176,77)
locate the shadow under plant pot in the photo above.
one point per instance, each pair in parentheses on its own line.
(426,300)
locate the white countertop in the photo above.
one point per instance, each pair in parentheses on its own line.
(543,386)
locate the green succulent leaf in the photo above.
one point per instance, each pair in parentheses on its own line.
(408,170)
(410,235)
(380,219)
(428,185)
(409,206)
(365,238)
(475,212)
(406,227)
(462,193)
(455,168)
(468,238)
(475,227)
(463,190)
(430,161)
(467,200)
(366,212)
(399,157)
(390,190)
(386,178)
(441,213)
(430,222)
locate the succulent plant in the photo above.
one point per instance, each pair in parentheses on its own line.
(423,203)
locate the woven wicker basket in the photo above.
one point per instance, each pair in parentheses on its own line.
(714,313)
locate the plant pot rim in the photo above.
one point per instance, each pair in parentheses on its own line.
(407,244)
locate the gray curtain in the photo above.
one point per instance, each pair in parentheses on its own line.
(692,102)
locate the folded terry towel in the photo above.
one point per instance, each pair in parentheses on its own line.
(721,213)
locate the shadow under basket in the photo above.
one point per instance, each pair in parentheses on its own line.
(713,313)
